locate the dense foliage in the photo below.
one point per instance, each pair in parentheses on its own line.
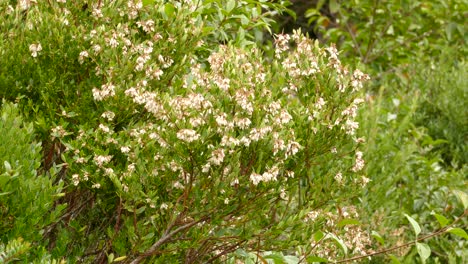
(172,132)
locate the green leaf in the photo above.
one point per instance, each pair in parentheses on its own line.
(276,257)
(424,251)
(394,259)
(231,4)
(463,197)
(441,219)
(169,9)
(7,166)
(459,232)
(147,2)
(378,237)
(334,6)
(414,224)
(4,179)
(148,236)
(348,221)
(318,235)
(340,243)
(390,30)
(120,258)
(315,259)
(291,259)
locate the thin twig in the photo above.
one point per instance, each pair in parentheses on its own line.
(166,237)
(436,233)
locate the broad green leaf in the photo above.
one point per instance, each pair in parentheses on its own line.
(378,237)
(315,259)
(424,251)
(459,232)
(414,224)
(169,9)
(4,193)
(110,258)
(231,4)
(441,219)
(334,6)
(318,235)
(348,221)
(463,197)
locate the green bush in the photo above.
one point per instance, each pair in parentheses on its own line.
(27,199)
(176,148)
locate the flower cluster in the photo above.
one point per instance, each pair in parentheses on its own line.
(353,236)
(35,48)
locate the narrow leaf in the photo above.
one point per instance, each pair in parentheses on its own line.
(414,224)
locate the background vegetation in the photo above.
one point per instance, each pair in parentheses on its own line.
(194,131)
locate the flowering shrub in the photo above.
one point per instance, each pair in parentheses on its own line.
(175,156)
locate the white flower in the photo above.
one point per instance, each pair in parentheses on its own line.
(292,148)
(255,178)
(34,49)
(339,177)
(76,179)
(83,54)
(359,162)
(125,149)
(217,157)
(107,90)
(100,160)
(104,128)
(109,115)
(187,135)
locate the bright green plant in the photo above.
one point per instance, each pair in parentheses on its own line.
(26,198)
(388,34)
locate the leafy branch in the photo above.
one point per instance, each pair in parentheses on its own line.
(431,235)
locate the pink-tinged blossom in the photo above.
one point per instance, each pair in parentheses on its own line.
(359,162)
(187,135)
(255,178)
(107,90)
(217,157)
(292,148)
